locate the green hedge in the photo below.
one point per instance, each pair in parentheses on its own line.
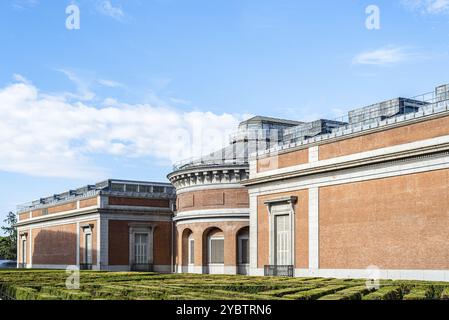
(417,293)
(287,291)
(386,293)
(353,293)
(50,285)
(314,294)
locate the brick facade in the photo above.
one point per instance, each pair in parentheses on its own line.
(392,137)
(398,223)
(391,214)
(376,197)
(119,242)
(56,233)
(200,233)
(213,199)
(54,245)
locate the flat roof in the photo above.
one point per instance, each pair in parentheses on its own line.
(110,185)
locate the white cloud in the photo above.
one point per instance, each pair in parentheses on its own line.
(108,9)
(19,78)
(84,93)
(427,6)
(51,135)
(23,4)
(109,83)
(383,56)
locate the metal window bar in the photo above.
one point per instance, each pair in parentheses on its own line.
(279,271)
(142,267)
(85,266)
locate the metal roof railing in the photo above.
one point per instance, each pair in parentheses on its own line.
(379,114)
(116,187)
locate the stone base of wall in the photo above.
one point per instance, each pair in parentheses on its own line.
(216,269)
(123,268)
(420,275)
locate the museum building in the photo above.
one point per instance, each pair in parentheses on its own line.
(365,195)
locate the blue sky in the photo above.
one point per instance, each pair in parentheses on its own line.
(144,83)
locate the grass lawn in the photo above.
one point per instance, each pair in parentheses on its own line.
(50,285)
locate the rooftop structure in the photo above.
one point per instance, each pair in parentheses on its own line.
(384,110)
(108,187)
(370,117)
(253,135)
(309,130)
(442,93)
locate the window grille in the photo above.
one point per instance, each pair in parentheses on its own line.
(120,187)
(216,251)
(191,251)
(245,251)
(131,188)
(141,248)
(158,189)
(282,230)
(145,189)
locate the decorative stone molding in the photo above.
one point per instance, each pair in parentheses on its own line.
(284,206)
(209,177)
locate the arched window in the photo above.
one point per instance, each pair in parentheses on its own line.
(191,244)
(216,249)
(243,247)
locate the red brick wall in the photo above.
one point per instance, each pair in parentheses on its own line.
(88,202)
(36,213)
(54,245)
(396,136)
(139,202)
(393,223)
(62,208)
(213,199)
(24,216)
(119,242)
(283,160)
(162,243)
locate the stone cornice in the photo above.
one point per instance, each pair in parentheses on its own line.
(340,165)
(201,215)
(56,216)
(209,176)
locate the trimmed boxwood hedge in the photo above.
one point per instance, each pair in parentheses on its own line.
(314,294)
(352,293)
(385,293)
(96,285)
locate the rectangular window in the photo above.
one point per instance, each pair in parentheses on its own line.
(191,251)
(118,187)
(24,251)
(145,189)
(131,188)
(282,239)
(244,247)
(141,248)
(88,248)
(216,251)
(158,189)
